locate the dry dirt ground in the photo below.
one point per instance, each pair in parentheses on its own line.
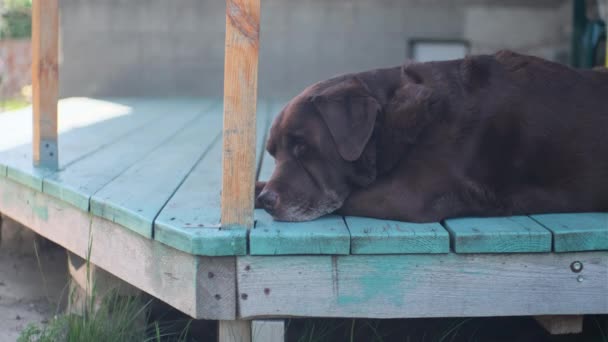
(33,279)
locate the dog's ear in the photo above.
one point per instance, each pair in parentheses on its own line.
(350,112)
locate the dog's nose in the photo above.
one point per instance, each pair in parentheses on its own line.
(268,199)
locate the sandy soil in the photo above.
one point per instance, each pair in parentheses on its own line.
(30,287)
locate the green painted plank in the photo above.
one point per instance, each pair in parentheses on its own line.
(373,236)
(85,126)
(191,219)
(576,232)
(135,198)
(326,235)
(513,234)
(78,182)
(15,131)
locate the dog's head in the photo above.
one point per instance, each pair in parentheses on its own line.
(322,145)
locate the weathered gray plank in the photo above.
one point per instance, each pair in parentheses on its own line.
(422,285)
(166,273)
(373,236)
(577,232)
(134,198)
(216,287)
(191,219)
(512,234)
(78,182)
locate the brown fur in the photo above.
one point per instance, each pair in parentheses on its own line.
(485,135)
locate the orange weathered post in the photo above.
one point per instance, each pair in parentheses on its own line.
(240,95)
(238,159)
(45,73)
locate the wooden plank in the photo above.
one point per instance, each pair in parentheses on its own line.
(191,219)
(164,272)
(513,234)
(268,330)
(561,325)
(45,79)
(373,236)
(77,183)
(216,288)
(234,331)
(104,123)
(15,132)
(325,235)
(240,93)
(422,285)
(135,198)
(577,232)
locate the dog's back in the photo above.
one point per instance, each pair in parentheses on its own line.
(547,126)
(529,135)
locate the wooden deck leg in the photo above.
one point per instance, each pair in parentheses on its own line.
(561,324)
(45,74)
(234,331)
(268,330)
(90,285)
(240,96)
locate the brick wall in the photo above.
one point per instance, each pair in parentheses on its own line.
(15,62)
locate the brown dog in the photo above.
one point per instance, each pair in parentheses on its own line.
(486,135)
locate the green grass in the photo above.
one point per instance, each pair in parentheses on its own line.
(12,104)
(115,320)
(112,318)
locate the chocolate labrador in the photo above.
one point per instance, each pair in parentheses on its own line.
(486,135)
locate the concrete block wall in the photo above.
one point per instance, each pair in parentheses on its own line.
(176,48)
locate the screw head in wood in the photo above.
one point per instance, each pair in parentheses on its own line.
(576,266)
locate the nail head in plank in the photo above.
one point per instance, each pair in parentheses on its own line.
(325,235)
(373,236)
(134,198)
(422,285)
(240,95)
(191,219)
(78,182)
(577,231)
(512,234)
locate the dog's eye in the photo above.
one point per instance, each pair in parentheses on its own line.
(299,149)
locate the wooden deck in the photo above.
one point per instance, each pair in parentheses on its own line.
(140,181)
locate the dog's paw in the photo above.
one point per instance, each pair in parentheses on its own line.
(259,186)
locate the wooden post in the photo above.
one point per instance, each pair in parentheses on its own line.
(238,159)
(45,35)
(240,92)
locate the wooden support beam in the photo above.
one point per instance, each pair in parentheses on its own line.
(268,330)
(45,72)
(240,93)
(561,324)
(234,331)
